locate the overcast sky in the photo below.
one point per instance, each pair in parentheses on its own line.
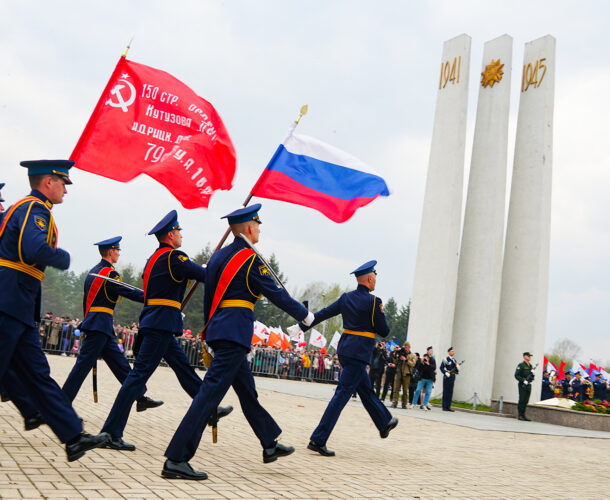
(369,72)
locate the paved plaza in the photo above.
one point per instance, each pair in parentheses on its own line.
(429,455)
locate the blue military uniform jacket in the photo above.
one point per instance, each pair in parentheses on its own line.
(448,365)
(362,312)
(168,281)
(24,242)
(250,283)
(107,298)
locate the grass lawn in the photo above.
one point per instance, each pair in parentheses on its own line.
(461,404)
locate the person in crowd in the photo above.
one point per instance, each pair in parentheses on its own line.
(415,377)
(427,377)
(577,387)
(587,388)
(547,387)
(600,388)
(379,361)
(363,318)
(568,391)
(165,278)
(524,375)
(28,244)
(306,366)
(404,360)
(99,300)
(449,369)
(236,279)
(390,373)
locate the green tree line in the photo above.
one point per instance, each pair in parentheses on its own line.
(62,294)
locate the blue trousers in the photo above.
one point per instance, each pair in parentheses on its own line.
(155,346)
(229,368)
(13,386)
(353,378)
(423,383)
(96,344)
(22,353)
(448,390)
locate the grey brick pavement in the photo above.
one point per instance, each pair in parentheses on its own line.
(421,459)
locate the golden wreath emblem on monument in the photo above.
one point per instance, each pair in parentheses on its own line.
(493,73)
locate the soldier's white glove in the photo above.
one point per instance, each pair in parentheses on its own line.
(447,374)
(308,319)
(525,382)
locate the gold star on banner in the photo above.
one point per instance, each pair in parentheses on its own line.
(493,73)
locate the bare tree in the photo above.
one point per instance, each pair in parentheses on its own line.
(566,349)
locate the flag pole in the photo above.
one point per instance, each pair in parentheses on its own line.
(189,295)
(124,54)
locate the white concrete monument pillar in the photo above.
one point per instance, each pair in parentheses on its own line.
(433,296)
(475,322)
(525,273)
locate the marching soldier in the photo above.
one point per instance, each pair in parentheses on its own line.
(28,244)
(449,368)
(363,318)
(236,279)
(525,375)
(165,278)
(99,301)
(12,389)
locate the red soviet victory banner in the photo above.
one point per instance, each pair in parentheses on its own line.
(148,122)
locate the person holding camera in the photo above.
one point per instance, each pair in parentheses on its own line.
(427,370)
(525,376)
(405,361)
(378,363)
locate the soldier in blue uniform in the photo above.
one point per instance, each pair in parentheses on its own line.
(165,278)
(449,369)
(547,391)
(99,301)
(28,244)
(236,279)
(599,388)
(363,318)
(12,389)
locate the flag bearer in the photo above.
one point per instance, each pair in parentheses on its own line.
(165,279)
(236,279)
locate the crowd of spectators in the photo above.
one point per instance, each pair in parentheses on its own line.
(402,375)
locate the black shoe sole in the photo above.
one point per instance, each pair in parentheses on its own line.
(108,446)
(176,475)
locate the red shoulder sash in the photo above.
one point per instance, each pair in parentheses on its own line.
(150,264)
(95,288)
(227,275)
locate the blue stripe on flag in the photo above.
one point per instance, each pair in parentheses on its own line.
(334,180)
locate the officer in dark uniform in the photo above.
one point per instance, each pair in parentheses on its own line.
(600,389)
(525,375)
(12,389)
(363,318)
(449,369)
(165,278)
(547,387)
(28,243)
(99,301)
(566,384)
(236,279)
(577,387)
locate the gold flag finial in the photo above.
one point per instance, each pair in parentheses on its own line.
(124,54)
(302,113)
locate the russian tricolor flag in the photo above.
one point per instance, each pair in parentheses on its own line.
(309,172)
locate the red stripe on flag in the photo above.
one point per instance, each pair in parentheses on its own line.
(278,186)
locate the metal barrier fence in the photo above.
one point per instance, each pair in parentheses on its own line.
(64,338)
